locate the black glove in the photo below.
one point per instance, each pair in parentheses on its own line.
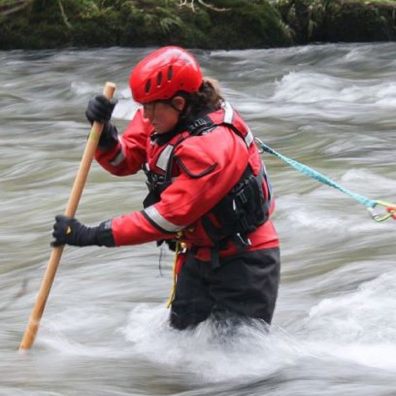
(100,109)
(69,231)
(108,138)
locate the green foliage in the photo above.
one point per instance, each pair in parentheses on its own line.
(373,22)
(164,22)
(339,20)
(304,17)
(243,23)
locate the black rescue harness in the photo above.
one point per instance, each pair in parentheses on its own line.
(238,213)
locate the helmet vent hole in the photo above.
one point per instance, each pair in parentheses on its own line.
(159,79)
(147,86)
(170,73)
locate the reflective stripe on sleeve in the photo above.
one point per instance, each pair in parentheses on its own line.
(117,159)
(152,214)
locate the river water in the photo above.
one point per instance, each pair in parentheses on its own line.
(104,331)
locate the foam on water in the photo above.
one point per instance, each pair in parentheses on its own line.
(359,326)
(209,352)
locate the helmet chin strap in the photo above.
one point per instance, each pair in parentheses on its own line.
(175,108)
(184,113)
(181,95)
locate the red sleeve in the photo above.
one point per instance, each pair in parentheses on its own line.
(134,229)
(210,166)
(129,154)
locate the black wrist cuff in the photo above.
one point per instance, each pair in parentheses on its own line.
(104,234)
(108,138)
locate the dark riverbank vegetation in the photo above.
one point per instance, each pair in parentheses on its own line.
(34,24)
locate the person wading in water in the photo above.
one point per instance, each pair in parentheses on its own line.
(209,197)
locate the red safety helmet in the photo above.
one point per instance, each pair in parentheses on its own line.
(163,73)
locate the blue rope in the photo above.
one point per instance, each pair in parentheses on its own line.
(308,171)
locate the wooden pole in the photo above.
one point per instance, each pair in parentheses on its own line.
(71,208)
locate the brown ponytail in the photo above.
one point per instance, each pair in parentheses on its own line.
(207,99)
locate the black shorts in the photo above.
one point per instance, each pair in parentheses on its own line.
(244,285)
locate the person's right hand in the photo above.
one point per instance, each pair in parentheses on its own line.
(100,109)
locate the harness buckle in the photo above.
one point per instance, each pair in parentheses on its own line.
(243,242)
